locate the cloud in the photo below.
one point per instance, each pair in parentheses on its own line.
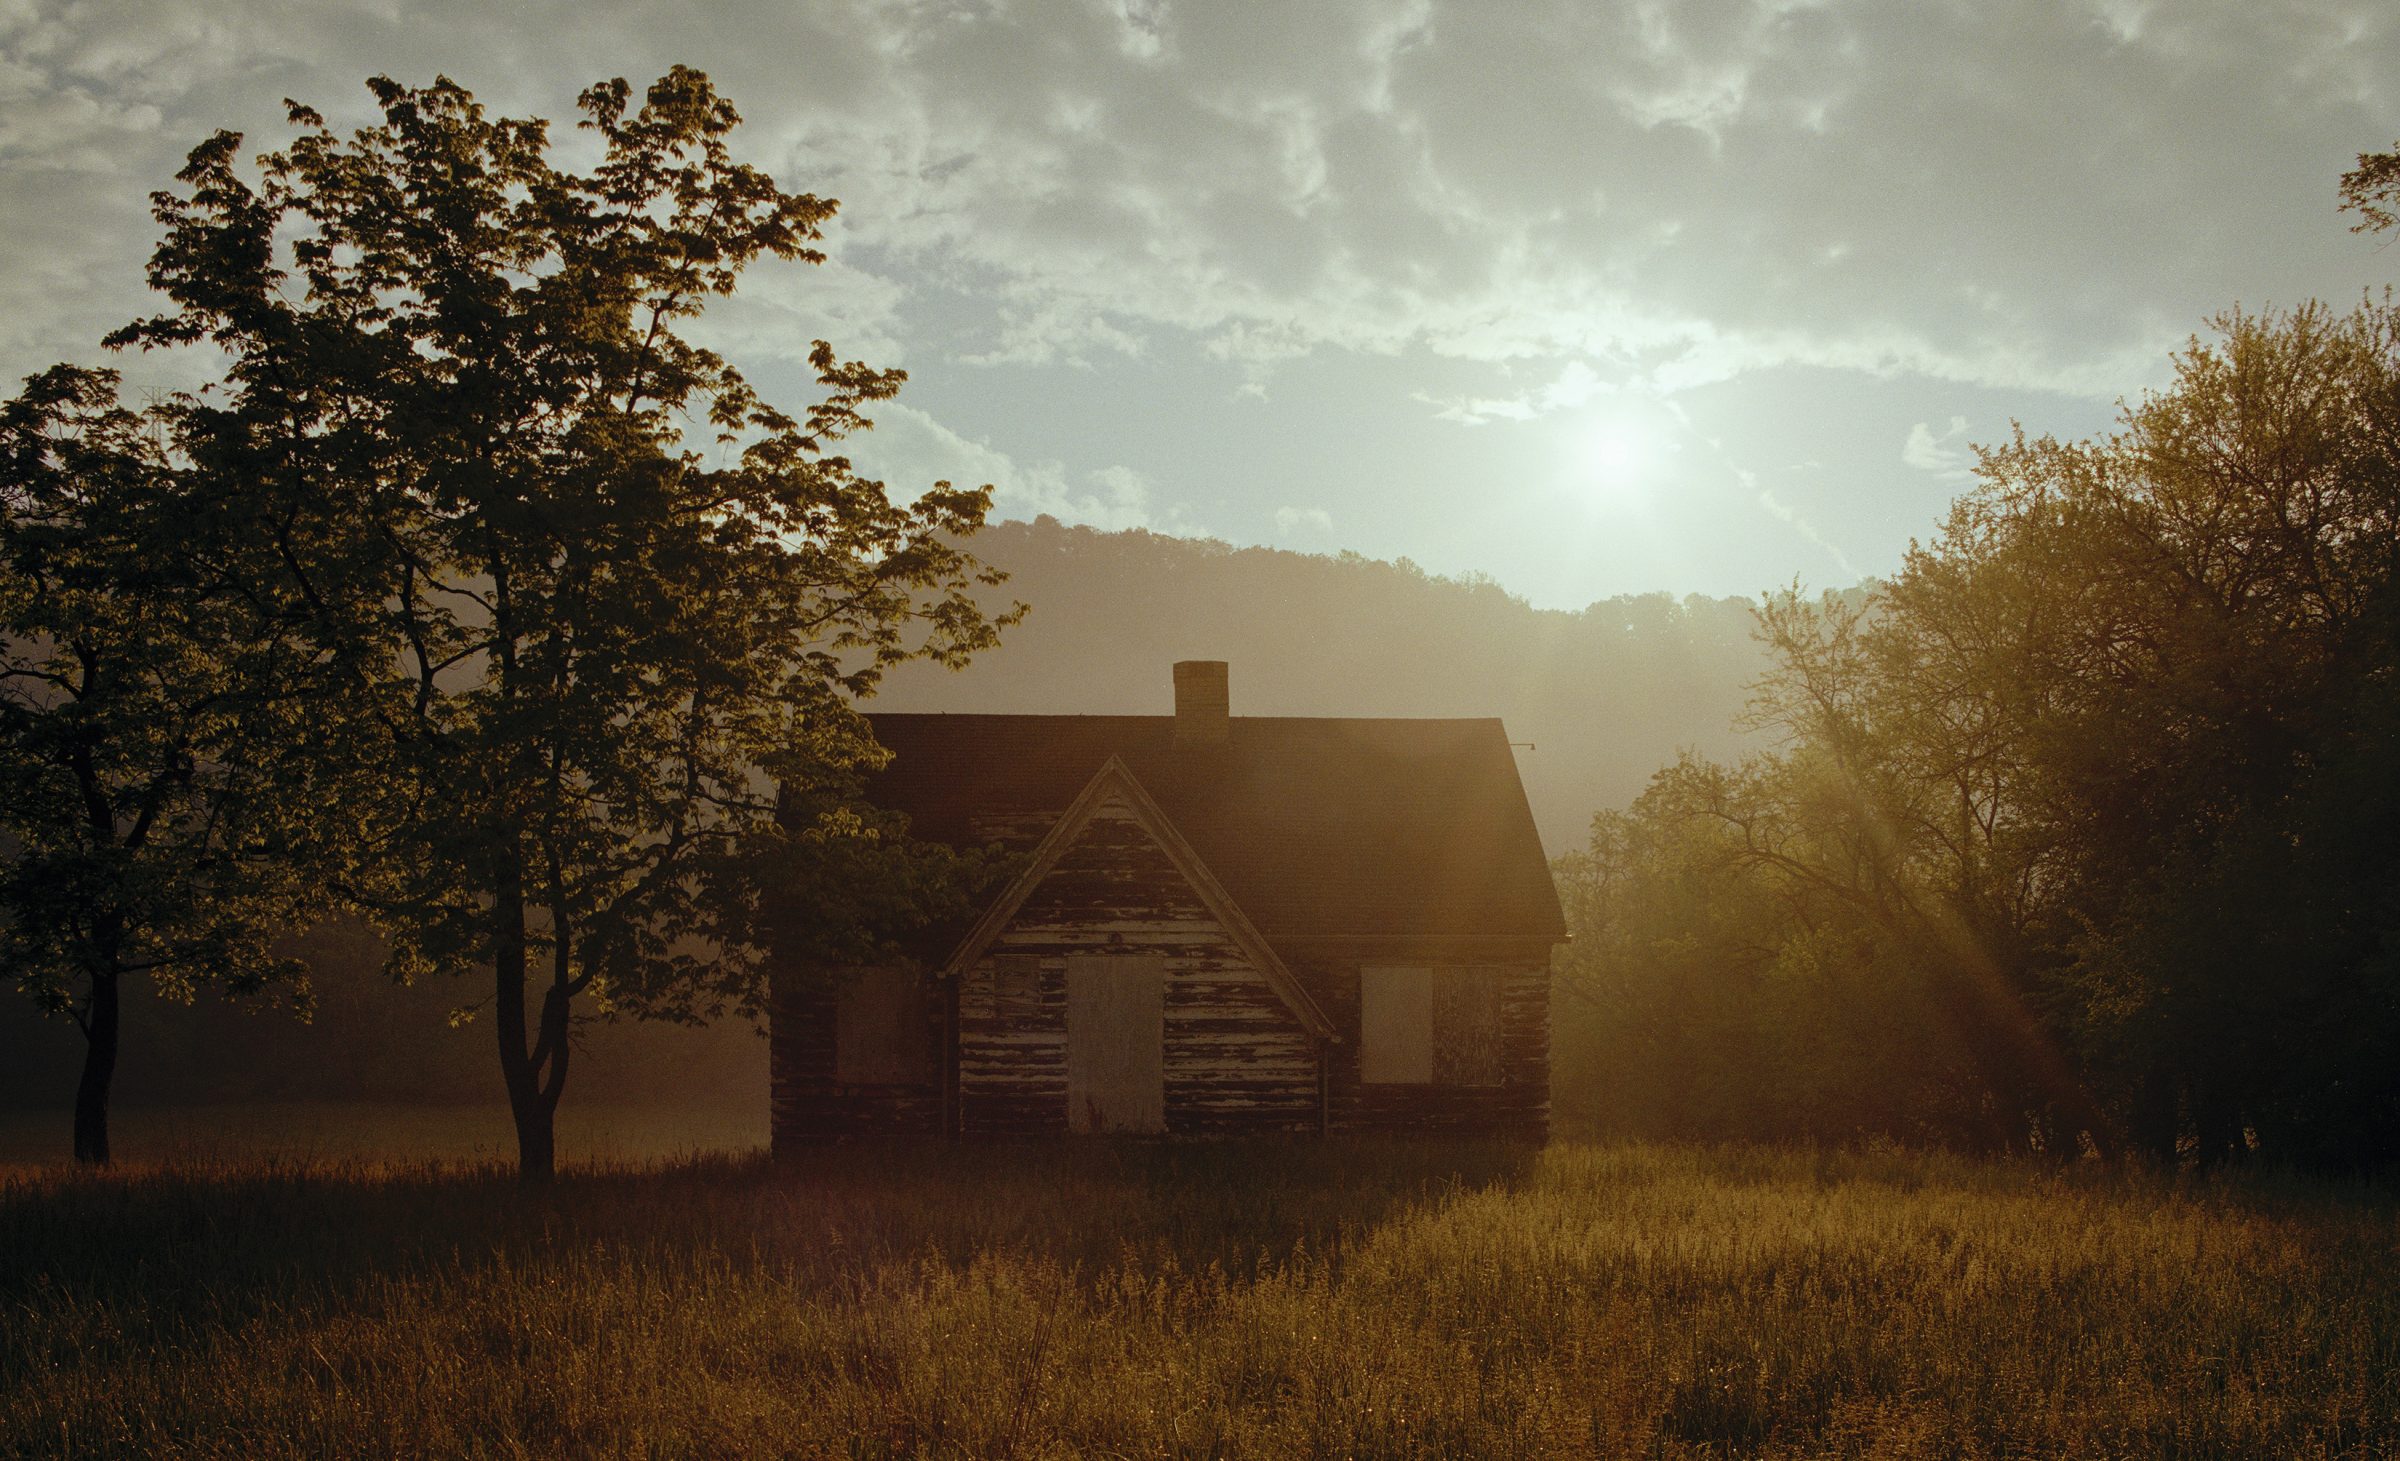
(909,450)
(1257,349)
(1293,520)
(1575,386)
(1697,191)
(1930,453)
(1682,192)
(783,307)
(1053,330)
(1371,224)
(1786,513)
(1480,410)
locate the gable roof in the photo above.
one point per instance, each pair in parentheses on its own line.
(1113,779)
(1314,826)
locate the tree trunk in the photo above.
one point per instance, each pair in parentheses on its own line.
(99,1071)
(2155,1115)
(537,1147)
(2217,1121)
(537,1139)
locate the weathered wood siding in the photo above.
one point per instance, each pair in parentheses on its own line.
(809,1100)
(1236,1059)
(1516,1106)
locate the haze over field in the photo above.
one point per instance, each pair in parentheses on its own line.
(1605,696)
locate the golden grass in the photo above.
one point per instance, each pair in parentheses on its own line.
(1345,1299)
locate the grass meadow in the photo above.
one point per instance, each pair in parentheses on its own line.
(1334,1300)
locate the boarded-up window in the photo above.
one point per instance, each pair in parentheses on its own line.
(1395,1018)
(1466,1027)
(882,1035)
(1017,987)
(1421,1026)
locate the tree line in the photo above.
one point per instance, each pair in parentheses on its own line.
(2080,833)
(1605,693)
(469,598)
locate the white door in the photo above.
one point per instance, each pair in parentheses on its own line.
(1116,1043)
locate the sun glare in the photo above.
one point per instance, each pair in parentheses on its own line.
(1614,460)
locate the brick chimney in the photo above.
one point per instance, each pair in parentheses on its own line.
(1202,704)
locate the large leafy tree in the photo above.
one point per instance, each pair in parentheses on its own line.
(162,766)
(604,605)
(2237,828)
(2097,791)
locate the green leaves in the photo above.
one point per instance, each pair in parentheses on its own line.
(157,715)
(2089,810)
(437,607)
(582,647)
(2372,191)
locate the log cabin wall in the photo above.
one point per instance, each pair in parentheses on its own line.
(808,1100)
(1236,1058)
(1516,1106)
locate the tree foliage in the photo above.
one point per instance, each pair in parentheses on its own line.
(598,600)
(161,766)
(2372,191)
(2084,829)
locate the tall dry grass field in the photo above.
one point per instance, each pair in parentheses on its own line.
(1235,1300)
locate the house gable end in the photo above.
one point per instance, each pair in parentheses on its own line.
(1115,785)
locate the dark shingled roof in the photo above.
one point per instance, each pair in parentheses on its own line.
(1315,826)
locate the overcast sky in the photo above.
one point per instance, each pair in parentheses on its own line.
(1591,297)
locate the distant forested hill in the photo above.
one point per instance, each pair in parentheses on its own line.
(1606,695)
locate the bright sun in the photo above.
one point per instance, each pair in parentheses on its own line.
(1614,460)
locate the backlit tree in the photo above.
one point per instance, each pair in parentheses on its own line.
(601,599)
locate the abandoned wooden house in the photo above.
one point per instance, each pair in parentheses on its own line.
(1221,925)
